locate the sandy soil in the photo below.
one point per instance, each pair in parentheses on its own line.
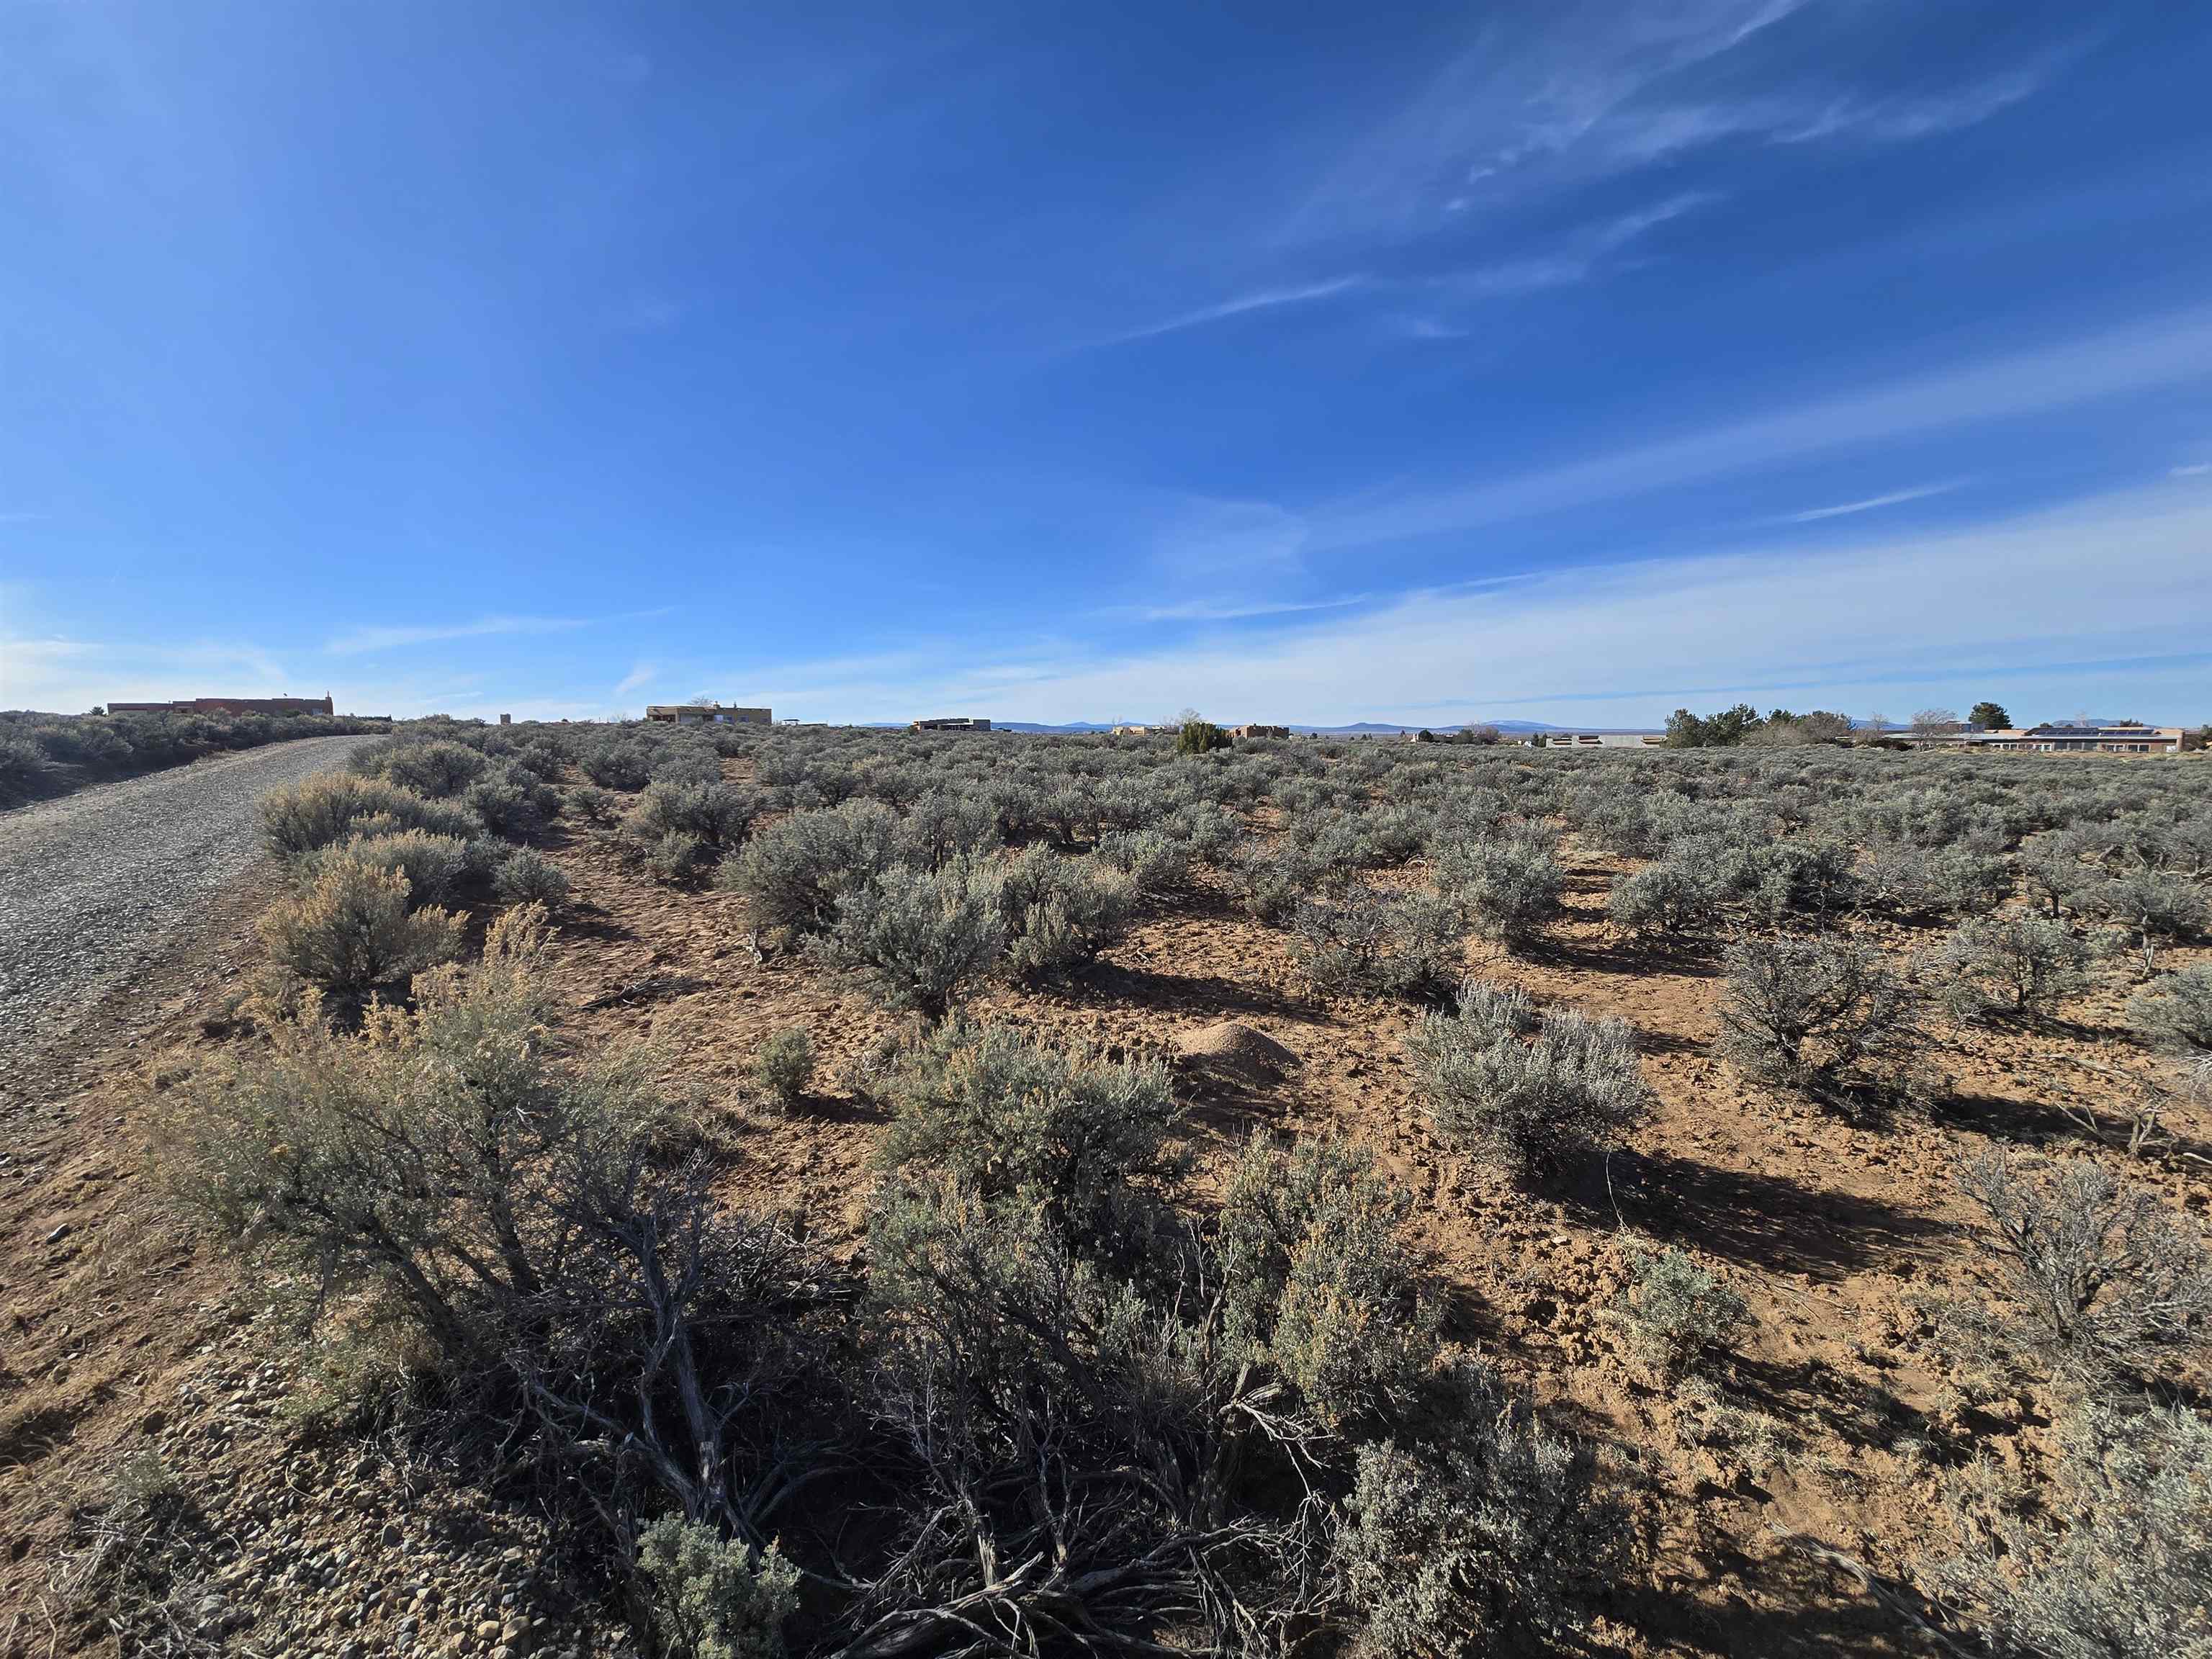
(1826,1424)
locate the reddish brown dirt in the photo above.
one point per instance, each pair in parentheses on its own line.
(1822,1425)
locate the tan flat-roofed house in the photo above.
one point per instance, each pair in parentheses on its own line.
(321,705)
(705,713)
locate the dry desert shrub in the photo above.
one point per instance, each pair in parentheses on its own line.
(2098,1280)
(2109,1561)
(331,806)
(351,931)
(441,1173)
(438,768)
(783,1069)
(1532,1104)
(921,940)
(1319,1281)
(2175,1012)
(1677,1312)
(1673,900)
(1377,944)
(434,865)
(709,1597)
(1477,1541)
(2015,962)
(1025,1125)
(1059,912)
(1823,1016)
(794,871)
(528,877)
(1507,884)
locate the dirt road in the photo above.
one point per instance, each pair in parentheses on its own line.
(94,884)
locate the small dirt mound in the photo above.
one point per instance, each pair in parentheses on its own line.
(1231,1050)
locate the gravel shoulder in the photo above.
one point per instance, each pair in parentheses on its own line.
(94,884)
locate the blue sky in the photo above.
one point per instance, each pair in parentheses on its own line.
(1533,362)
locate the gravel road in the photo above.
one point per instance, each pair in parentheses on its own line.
(92,885)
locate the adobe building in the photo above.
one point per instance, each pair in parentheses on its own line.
(321,705)
(705,713)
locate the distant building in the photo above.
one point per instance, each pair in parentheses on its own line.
(321,705)
(705,713)
(952,723)
(1602,739)
(2064,737)
(1256,730)
(1132,731)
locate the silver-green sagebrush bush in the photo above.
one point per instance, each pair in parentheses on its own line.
(709,1597)
(1823,1016)
(919,939)
(528,877)
(2098,1282)
(1677,1313)
(784,1066)
(2175,1012)
(1535,1104)
(351,930)
(2015,962)
(1476,1542)
(1405,945)
(1509,884)
(2110,1562)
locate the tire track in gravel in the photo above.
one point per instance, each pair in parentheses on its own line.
(93,885)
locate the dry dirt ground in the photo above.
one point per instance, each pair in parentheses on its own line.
(118,1334)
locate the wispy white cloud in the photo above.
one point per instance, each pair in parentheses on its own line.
(2163,352)
(1895,498)
(1902,120)
(1571,93)
(2195,470)
(637,679)
(1244,609)
(1626,642)
(1519,93)
(1268,298)
(392,638)
(1581,256)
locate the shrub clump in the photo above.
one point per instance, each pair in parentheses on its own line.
(333,806)
(1676,1312)
(2016,963)
(709,1597)
(1060,912)
(528,877)
(2098,1279)
(1507,884)
(2175,1013)
(446,1179)
(1533,1105)
(351,931)
(920,940)
(783,1069)
(1822,1017)
(792,873)
(1406,945)
(433,865)
(2111,1560)
(1025,1125)
(1671,900)
(1319,1282)
(1473,1542)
